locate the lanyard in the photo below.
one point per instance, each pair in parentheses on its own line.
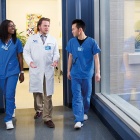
(6,46)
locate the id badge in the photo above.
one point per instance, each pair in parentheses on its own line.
(47,47)
(80,48)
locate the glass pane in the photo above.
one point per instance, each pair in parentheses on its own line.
(120,56)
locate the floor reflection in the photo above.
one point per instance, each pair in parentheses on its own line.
(26,128)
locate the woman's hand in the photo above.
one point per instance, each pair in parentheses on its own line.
(21,77)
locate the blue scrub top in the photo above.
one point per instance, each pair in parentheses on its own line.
(9,64)
(83,60)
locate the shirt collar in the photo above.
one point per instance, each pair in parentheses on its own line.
(41,35)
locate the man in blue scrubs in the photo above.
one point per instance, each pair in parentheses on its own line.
(11,67)
(83,53)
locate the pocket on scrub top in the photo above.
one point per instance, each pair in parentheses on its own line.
(12,65)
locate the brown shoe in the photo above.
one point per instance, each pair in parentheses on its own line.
(50,124)
(37,115)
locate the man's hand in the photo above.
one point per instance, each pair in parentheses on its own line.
(68,75)
(55,64)
(97,77)
(32,65)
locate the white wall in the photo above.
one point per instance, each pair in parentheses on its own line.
(16,10)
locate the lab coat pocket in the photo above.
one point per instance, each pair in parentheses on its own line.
(34,76)
(48,50)
(49,47)
(34,71)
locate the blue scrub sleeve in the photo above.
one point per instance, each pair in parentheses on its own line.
(19,46)
(95,48)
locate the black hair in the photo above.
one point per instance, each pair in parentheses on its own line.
(40,22)
(79,24)
(4,31)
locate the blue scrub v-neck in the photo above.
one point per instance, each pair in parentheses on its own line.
(9,64)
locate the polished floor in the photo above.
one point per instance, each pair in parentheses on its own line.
(26,128)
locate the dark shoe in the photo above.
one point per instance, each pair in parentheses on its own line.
(50,124)
(37,115)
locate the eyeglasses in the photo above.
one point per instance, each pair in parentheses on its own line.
(12,26)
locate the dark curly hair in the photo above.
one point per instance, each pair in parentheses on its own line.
(4,31)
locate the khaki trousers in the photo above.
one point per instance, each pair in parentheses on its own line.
(39,99)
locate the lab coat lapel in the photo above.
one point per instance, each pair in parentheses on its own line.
(39,38)
(47,40)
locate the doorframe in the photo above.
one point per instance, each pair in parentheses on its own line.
(67,16)
(2,17)
(3,10)
(71,10)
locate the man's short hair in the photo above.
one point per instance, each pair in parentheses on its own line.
(79,24)
(40,22)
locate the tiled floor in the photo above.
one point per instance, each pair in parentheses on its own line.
(26,128)
(24,99)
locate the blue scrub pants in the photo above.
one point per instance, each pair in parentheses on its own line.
(81,91)
(8,87)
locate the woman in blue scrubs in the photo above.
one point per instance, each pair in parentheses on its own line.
(83,53)
(11,67)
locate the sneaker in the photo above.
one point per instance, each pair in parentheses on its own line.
(14,114)
(85,117)
(78,125)
(9,125)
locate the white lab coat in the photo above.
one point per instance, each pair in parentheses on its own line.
(42,56)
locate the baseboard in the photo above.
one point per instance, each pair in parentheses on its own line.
(2,110)
(69,105)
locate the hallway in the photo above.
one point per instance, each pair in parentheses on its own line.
(26,128)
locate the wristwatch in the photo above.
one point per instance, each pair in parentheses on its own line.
(22,72)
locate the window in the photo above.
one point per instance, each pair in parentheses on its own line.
(120,56)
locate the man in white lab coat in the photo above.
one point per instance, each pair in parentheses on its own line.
(42,55)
